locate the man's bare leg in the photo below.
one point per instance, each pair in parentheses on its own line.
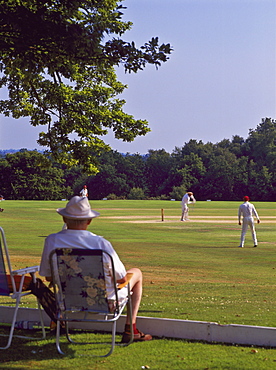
(136,284)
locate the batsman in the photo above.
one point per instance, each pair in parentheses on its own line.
(188,198)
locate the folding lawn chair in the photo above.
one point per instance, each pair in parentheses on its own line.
(79,285)
(15,285)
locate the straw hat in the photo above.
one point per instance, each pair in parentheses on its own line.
(78,208)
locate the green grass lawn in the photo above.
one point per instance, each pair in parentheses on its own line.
(192,270)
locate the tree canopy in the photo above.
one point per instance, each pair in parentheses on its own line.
(57,60)
(30,175)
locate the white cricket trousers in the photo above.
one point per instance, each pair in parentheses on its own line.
(185,211)
(248,221)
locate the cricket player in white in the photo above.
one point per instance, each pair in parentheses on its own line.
(248,211)
(188,198)
(84,192)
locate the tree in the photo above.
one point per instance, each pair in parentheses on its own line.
(57,60)
(136,193)
(218,184)
(204,151)
(261,187)
(178,192)
(191,170)
(158,166)
(30,175)
(262,143)
(133,166)
(109,179)
(237,146)
(75,178)
(241,178)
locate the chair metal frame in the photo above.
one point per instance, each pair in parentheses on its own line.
(67,314)
(17,290)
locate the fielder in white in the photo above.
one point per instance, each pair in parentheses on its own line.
(188,198)
(248,211)
(1,198)
(84,192)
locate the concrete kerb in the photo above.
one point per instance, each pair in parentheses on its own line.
(210,332)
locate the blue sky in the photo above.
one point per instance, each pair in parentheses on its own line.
(220,80)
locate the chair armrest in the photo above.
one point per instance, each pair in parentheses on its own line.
(26,270)
(128,278)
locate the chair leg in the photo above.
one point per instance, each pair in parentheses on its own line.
(113,340)
(113,343)
(57,339)
(11,329)
(11,335)
(39,309)
(41,320)
(23,336)
(129,307)
(129,310)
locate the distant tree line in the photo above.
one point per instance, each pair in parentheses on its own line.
(226,170)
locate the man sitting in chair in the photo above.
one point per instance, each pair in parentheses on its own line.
(77,215)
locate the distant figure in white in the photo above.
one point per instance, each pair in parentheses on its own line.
(248,211)
(1,198)
(84,192)
(188,198)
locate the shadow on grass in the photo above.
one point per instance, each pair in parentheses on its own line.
(33,350)
(40,350)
